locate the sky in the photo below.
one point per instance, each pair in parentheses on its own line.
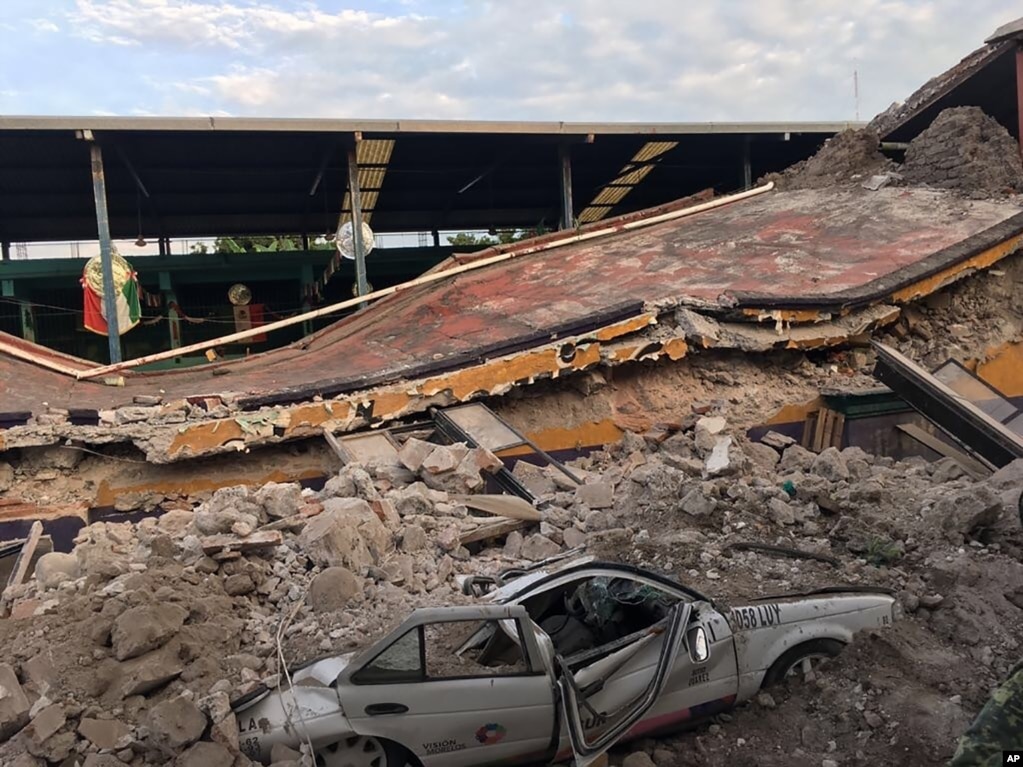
(572,60)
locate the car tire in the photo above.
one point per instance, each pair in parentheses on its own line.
(815,648)
(393,755)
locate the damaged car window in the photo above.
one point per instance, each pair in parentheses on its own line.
(590,613)
(470,649)
(454,649)
(402,661)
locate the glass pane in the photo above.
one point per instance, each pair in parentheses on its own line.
(976,391)
(401,662)
(472,649)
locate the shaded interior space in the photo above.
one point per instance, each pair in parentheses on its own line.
(181,180)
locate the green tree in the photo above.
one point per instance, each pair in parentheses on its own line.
(495,237)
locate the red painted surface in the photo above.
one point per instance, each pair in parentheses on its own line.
(791,244)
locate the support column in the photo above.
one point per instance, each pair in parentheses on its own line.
(5,251)
(306,280)
(436,238)
(99,191)
(567,209)
(1019,93)
(28,322)
(170,300)
(355,194)
(747,165)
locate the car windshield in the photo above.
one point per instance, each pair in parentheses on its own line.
(597,611)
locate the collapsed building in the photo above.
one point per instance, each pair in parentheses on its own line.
(688,387)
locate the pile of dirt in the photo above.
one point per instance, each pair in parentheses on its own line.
(847,159)
(966,150)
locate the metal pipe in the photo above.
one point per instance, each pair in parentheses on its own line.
(425,279)
(99,190)
(747,164)
(355,194)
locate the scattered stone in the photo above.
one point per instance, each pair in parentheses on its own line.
(14,705)
(46,723)
(638,759)
(720,461)
(598,495)
(960,513)
(346,534)
(830,464)
(141,629)
(537,548)
(697,504)
(777,440)
(175,723)
(333,589)
(279,500)
(239,584)
(54,568)
(205,754)
(414,452)
(104,733)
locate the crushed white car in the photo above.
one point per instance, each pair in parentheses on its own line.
(550,666)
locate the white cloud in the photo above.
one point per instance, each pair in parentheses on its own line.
(43,25)
(570,60)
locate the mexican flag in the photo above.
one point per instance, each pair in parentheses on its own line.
(126,299)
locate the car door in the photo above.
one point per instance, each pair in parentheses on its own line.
(601,703)
(696,688)
(421,687)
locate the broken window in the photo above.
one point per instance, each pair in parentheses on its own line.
(591,617)
(448,650)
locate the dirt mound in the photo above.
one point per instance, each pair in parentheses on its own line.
(966,150)
(848,158)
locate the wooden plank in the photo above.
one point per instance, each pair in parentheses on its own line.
(21,564)
(335,445)
(493,530)
(213,544)
(838,431)
(971,466)
(808,428)
(818,434)
(510,506)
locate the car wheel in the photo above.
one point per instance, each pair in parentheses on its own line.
(801,661)
(359,751)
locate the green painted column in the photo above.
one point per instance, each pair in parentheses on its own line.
(173,318)
(306,279)
(28,324)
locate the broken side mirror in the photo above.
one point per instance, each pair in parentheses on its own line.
(699,647)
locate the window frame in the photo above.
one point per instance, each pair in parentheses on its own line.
(424,677)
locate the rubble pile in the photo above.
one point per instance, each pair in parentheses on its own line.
(975,315)
(850,157)
(963,150)
(129,650)
(966,150)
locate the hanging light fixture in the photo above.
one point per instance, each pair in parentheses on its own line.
(141,241)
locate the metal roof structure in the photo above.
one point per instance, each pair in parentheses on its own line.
(206,176)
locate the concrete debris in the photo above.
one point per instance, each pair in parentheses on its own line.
(14,705)
(141,629)
(54,568)
(143,636)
